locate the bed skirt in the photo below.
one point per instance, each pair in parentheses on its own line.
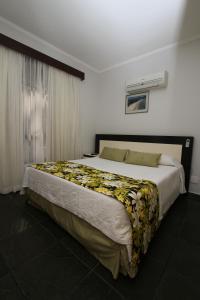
(110,254)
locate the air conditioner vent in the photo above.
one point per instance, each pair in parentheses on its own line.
(158,80)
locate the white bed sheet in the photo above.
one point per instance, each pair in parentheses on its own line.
(101,211)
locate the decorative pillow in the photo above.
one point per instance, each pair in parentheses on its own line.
(142,158)
(113,154)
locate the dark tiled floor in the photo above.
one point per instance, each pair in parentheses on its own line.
(39,260)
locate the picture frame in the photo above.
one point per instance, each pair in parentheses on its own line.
(137,103)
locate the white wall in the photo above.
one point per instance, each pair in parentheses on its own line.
(88,86)
(172,111)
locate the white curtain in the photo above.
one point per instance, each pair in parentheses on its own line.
(39,116)
(63,135)
(11,121)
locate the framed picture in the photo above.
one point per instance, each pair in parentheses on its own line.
(137,103)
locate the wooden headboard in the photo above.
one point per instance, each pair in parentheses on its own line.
(179,147)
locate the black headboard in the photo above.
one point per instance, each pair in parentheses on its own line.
(185,141)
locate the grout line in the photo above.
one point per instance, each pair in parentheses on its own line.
(109,284)
(88,274)
(18,284)
(92,270)
(82,280)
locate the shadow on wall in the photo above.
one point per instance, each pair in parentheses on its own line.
(190,21)
(185,107)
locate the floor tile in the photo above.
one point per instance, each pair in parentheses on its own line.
(52,275)
(4,197)
(173,221)
(20,199)
(113,295)
(13,218)
(12,200)
(174,286)
(93,288)
(3,267)
(186,260)
(39,215)
(143,285)
(192,197)
(39,260)
(9,289)
(190,230)
(79,251)
(54,228)
(192,212)
(17,249)
(161,247)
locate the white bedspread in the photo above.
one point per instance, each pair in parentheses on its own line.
(101,211)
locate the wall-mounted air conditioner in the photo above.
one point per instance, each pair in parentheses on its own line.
(148,82)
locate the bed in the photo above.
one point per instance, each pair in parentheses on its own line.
(97,221)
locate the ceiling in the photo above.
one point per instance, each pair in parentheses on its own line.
(103,33)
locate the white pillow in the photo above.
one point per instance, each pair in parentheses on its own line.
(167,160)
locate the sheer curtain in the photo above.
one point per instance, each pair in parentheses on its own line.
(51,113)
(35,98)
(39,116)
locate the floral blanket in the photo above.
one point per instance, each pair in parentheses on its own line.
(139,197)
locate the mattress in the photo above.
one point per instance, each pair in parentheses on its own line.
(101,211)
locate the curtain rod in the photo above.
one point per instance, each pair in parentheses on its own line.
(19,47)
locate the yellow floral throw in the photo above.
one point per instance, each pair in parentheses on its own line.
(139,197)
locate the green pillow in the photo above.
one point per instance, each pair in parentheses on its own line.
(113,154)
(142,158)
